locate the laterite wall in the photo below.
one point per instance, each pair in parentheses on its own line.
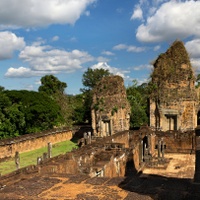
(32,141)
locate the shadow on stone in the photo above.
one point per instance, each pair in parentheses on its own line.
(143,186)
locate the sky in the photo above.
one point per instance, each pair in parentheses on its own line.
(66,37)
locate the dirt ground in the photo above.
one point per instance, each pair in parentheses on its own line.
(174,183)
(179,166)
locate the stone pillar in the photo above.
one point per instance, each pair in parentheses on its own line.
(159,149)
(39,160)
(141,152)
(111,127)
(49,150)
(197,153)
(89,138)
(45,156)
(17,160)
(107,128)
(149,144)
(94,122)
(163,149)
(85,138)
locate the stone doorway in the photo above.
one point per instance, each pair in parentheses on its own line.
(198,118)
(171,122)
(106,127)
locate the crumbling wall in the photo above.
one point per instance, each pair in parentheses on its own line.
(177,142)
(110,107)
(32,141)
(110,156)
(173,102)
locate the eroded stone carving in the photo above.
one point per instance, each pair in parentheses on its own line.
(173,103)
(110,108)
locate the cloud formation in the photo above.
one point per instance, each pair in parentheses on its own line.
(113,70)
(137,13)
(129,48)
(108,53)
(39,13)
(9,43)
(169,21)
(193,48)
(47,60)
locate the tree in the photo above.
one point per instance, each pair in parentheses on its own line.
(38,111)
(90,78)
(78,108)
(51,85)
(54,88)
(138,96)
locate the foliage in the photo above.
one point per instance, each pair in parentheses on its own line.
(54,88)
(138,96)
(25,112)
(90,78)
(50,85)
(77,108)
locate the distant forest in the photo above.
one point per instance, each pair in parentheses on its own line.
(23,112)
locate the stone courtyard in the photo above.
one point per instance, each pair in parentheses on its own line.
(174,183)
(171,178)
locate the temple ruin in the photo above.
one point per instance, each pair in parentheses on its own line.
(161,161)
(173,103)
(110,108)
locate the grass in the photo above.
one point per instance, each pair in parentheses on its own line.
(30,158)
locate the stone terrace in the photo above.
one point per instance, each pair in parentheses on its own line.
(74,176)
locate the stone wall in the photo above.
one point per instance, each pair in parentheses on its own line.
(177,142)
(110,156)
(32,141)
(174,103)
(110,108)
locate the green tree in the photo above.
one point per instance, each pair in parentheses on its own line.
(38,111)
(54,88)
(78,109)
(50,85)
(90,78)
(11,117)
(138,96)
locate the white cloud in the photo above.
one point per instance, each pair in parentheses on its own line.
(129,48)
(102,59)
(172,20)
(23,72)
(55,38)
(195,62)
(9,43)
(193,49)
(137,13)
(108,53)
(113,70)
(37,13)
(142,67)
(156,48)
(73,39)
(46,60)
(87,13)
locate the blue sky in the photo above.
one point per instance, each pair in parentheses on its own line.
(65,37)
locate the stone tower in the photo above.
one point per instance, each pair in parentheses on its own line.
(173,101)
(110,108)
